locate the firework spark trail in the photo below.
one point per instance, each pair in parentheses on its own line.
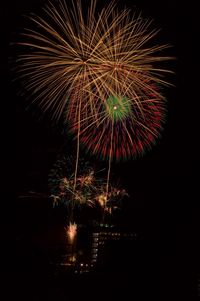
(109,169)
(78,146)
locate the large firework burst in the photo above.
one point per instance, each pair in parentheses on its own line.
(100,72)
(123,128)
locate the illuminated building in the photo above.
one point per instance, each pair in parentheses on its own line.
(105,246)
(98,250)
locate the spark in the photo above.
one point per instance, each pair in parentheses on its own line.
(71,232)
(102,199)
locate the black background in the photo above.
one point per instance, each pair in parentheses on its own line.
(163,184)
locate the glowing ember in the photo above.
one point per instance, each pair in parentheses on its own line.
(102,199)
(71,231)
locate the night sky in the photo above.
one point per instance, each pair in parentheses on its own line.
(163,184)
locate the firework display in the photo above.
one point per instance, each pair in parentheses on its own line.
(123,130)
(61,183)
(100,73)
(90,188)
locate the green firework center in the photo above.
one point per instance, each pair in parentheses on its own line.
(118,107)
